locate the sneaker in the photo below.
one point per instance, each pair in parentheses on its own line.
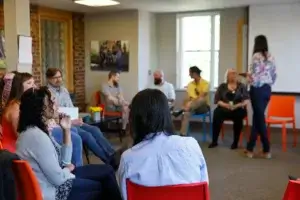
(248,154)
(234,146)
(267,155)
(213,145)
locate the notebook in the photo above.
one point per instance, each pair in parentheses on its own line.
(73,112)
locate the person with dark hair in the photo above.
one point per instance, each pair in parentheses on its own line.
(231,99)
(90,135)
(158,157)
(16,87)
(51,162)
(261,76)
(113,97)
(197,99)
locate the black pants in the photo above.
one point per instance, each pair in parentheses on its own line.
(95,182)
(260,98)
(221,114)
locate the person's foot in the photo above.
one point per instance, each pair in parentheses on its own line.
(177,113)
(123,132)
(248,154)
(266,155)
(213,145)
(234,146)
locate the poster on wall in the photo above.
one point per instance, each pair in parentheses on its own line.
(2,51)
(109,55)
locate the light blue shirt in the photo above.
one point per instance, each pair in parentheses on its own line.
(62,96)
(164,160)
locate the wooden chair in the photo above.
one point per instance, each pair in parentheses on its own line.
(242,134)
(194,191)
(282,111)
(27,185)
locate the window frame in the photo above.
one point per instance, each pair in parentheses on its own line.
(180,52)
(65,18)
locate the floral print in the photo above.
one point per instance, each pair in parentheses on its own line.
(262,71)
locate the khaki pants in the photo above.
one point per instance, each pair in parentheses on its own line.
(198,107)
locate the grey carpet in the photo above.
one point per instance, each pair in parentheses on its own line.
(234,177)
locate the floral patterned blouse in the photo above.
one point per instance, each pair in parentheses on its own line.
(262,71)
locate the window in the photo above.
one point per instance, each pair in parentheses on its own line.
(198,43)
(56,43)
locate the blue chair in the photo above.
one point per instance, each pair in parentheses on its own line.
(203,117)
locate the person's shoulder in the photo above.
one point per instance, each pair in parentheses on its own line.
(181,142)
(64,89)
(204,82)
(169,85)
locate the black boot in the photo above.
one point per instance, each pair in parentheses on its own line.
(213,145)
(234,145)
(177,113)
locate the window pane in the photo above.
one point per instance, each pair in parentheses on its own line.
(52,43)
(200,59)
(217,32)
(196,33)
(216,69)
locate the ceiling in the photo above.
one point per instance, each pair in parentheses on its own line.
(157,5)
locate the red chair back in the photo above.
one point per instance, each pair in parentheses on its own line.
(27,185)
(195,191)
(292,191)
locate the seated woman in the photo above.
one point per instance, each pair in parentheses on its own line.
(51,162)
(18,83)
(158,157)
(231,99)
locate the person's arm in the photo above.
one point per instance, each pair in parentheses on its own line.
(273,71)
(43,151)
(171,93)
(218,97)
(13,116)
(198,158)
(204,92)
(245,96)
(105,91)
(122,176)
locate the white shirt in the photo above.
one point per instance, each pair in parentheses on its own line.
(163,160)
(167,88)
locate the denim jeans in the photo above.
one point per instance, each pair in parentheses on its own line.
(96,142)
(94,182)
(57,133)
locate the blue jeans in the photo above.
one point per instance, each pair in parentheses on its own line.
(96,142)
(94,182)
(260,97)
(57,133)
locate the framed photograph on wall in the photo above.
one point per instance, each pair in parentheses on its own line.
(109,55)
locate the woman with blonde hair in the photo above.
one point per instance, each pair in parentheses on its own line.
(231,99)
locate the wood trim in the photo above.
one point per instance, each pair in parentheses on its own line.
(66,18)
(239,49)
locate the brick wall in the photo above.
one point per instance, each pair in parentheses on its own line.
(79,59)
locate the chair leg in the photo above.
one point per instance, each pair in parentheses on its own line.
(119,124)
(241,139)
(295,134)
(86,152)
(222,131)
(204,129)
(283,130)
(210,124)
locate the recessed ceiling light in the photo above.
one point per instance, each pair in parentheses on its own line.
(97,3)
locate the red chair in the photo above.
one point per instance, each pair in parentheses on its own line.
(1,147)
(195,191)
(292,191)
(27,185)
(241,136)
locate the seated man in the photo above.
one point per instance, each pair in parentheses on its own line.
(197,100)
(164,86)
(114,99)
(90,135)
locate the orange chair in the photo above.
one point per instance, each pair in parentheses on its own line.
(101,104)
(282,111)
(241,136)
(195,191)
(27,185)
(292,191)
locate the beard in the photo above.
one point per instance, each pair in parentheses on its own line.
(116,84)
(157,81)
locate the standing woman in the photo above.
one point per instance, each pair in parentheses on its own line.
(262,75)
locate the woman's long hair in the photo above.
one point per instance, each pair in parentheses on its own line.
(261,45)
(149,115)
(35,103)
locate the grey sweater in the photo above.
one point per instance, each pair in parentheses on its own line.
(36,147)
